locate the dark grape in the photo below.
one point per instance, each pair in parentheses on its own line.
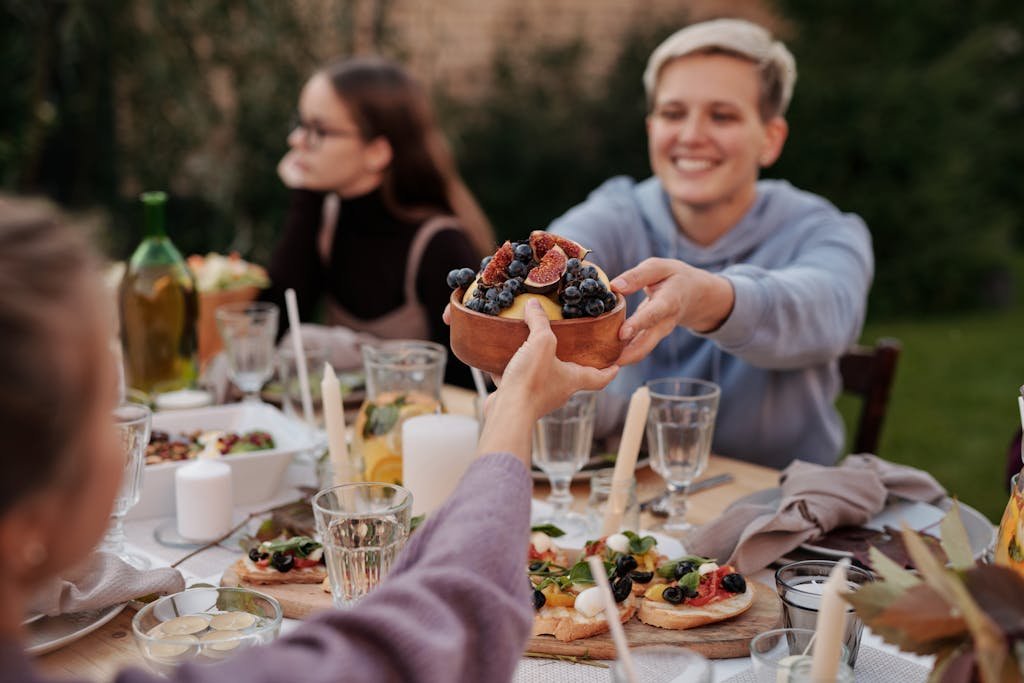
(475,305)
(571,311)
(513,286)
(523,252)
(572,265)
(505,300)
(453,278)
(465,277)
(589,287)
(485,261)
(571,295)
(517,269)
(588,271)
(594,307)
(491,308)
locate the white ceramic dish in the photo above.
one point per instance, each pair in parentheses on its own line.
(49,633)
(256,476)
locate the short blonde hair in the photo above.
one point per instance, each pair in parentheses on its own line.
(737,37)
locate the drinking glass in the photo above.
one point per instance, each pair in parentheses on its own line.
(363,526)
(561,446)
(800,586)
(132,422)
(680,426)
(288,374)
(783,654)
(248,330)
(664,664)
(597,503)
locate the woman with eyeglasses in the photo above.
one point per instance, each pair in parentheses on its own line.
(378,214)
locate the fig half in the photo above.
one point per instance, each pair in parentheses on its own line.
(547,274)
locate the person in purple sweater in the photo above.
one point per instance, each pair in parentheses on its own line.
(456,607)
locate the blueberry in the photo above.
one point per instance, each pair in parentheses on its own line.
(538,599)
(523,252)
(589,287)
(572,265)
(625,564)
(571,311)
(517,269)
(673,595)
(453,278)
(594,307)
(734,583)
(465,277)
(610,301)
(684,568)
(513,286)
(475,305)
(491,308)
(491,294)
(571,294)
(588,271)
(485,261)
(621,588)
(254,554)
(282,562)
(641,577)
(505,300)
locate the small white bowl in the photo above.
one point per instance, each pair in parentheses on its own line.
(256,476)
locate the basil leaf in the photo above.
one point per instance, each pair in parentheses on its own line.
(690,581)
(415,522)
(580,572)
(303,545)
(668,570)
(639,546)
(549,529)
(545,583)
(630,535)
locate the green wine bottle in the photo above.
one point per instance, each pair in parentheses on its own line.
(158,306)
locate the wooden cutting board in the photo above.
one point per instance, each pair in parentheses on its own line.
(722,640)
(298,600)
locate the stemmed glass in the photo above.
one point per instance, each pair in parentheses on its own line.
(132,421)
(680,425)
(248,331)
(561,446)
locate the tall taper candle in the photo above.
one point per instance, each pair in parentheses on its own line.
(334,418)
(625,462)
(828,631)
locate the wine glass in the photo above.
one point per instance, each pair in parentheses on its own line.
(561,446)
(248,330)
(680,425)
(132,421)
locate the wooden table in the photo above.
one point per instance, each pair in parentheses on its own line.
(98,656)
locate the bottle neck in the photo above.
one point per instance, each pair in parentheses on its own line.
(154,221)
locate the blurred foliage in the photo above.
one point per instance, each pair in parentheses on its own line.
(906,113)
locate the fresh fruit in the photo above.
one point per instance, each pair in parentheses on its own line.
(387,470)
(542,242)
(548,273)
(518,307)
(496,271)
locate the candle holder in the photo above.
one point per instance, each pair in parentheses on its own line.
(784,654)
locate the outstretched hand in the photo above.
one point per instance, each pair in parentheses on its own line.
(677,294)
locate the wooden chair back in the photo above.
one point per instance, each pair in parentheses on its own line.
(868,372)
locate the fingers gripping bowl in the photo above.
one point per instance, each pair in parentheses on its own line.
(488,342)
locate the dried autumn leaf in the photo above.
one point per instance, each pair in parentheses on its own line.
(924,615)
(999,591)
(891,572)
(954,539)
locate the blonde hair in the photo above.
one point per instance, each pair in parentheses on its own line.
(739,38)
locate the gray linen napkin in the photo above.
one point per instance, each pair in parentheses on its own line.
(100,581)
(815,500)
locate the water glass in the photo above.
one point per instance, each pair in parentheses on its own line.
(363,526)
(680,426)
(561,446)
(800,586)
(664,664)
(132,422)
(600,490)
(783,654)
(248,331)
(288,375)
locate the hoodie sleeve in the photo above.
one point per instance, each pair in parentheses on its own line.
(809,310)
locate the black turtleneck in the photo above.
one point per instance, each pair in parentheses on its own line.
(367,266)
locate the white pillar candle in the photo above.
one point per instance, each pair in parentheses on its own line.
(204,497)
(436,450)
(828,636)
(334,420)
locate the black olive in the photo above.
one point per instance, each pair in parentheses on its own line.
(673,595)
(625,564)
(536,566)
(264,556)
(621,588)
(282,562)
(734,583)
(641,577)
(684,568)
(254,554)
(538,599)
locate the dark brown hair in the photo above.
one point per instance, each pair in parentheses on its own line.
(50,340)
(386,101)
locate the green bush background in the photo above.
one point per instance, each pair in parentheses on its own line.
(908,114)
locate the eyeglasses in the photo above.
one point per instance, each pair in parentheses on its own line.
(316,134)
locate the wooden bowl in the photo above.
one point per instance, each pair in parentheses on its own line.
(488,342)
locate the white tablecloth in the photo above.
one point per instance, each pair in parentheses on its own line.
(879,666)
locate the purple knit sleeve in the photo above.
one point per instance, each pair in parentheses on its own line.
(456,606)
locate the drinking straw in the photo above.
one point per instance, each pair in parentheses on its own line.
(625,462)
(611,613)
(300,354)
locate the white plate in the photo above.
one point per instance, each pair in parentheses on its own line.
(540,510)
(50,633)
(593,465)
(918,516)
(256,476)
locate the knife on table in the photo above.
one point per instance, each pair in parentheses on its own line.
(710,482)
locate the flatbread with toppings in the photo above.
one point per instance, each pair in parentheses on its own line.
(569,604)
(298,559)
(632,555)
(696,591)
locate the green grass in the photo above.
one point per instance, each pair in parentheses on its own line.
(953,409)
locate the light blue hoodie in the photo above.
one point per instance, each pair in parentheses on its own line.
(800,270)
